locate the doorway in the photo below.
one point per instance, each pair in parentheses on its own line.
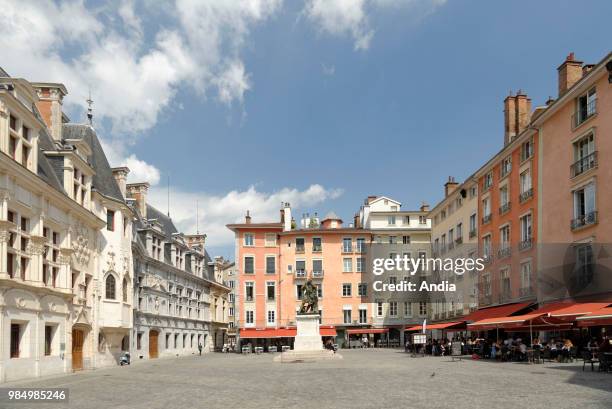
(153,337)
(77,349)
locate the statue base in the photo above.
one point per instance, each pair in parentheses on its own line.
(308,337)
(308,343)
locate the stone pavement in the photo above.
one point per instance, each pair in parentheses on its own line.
(363,379)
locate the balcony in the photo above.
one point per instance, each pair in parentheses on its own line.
(347,249)
(459,240)
(504,252)
(525,244)
(486,219)
(505,208)
(317,248)
(361,249)
(583,113)
(584,220)
(317,273)
(584,164)
(300,273)
(487,258)
(473,233)
(299,249)
(526,195)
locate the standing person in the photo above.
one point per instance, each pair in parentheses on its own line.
(200,348)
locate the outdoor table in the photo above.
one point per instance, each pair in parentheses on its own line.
(258,350)
(246,350)
(272,348)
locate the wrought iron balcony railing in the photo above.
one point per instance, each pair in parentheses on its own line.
(584,220)
(584,164)
(504,208)
(584,112)
(525,244)
(526,195)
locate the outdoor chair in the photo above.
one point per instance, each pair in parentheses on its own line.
(587,358)
(537,356)
(546,355)
(604,362)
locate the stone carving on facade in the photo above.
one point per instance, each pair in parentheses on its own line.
(110,260)
(80,244)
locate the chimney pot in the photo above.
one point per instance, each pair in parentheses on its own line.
(247,218)
(138,191)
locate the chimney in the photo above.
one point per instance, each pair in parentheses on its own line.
(570,73)
(517,115)
(509,118)
(288,221)
(450,186)
(50,101)
(356,221)
(138,192)
(282,213)
(120,175)
(247,218)
(424,207)
(523,111)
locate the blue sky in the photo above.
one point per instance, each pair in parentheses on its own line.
(420,101)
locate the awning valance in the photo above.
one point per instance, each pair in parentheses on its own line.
(440,325)
(499,311)
(246,333)
(596,318)
(367,330)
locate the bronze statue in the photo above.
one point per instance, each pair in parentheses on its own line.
(310,299)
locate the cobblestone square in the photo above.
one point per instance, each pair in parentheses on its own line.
(375,378)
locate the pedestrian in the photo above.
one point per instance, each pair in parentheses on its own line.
(200,348)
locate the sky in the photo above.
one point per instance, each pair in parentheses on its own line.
(241,105)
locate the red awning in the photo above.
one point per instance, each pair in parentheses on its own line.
(600,317)
(367,330)
(267,333)
(441,325)
(532,320)
(327,331)
(246,333)
(576,309)
(493,312)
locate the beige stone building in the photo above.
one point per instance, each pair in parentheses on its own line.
(454,235)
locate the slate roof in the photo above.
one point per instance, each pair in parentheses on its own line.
(331,216)
(167,225)
(103,180)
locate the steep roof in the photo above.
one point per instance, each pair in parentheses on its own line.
(331,216)
(3,73)
(166,223)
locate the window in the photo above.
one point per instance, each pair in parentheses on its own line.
(422,308)
(407,309)
(451,237)
(346,289)
(506,166)
(504,197)
(231,311)
(249,265)
(316,244)
(317,267)
(473,225)
(392,239)
(110,287)
(80,191)
(379,309)
(360,245)
(300,268)
(526,278)
(586,106)
(406,220)
(249,290)
(459,231)
(488,181)
(124,290)
(299,244)
(422,219)
(49,334)
(585,157)
(363,316)
(271,317)
(393,308)
(360,264)
(249,239)
(347,245)
(362,289)
(347,265)
(525,181)
(156,247)
(139,340)
(319,290)
(249,317)
(584,206)
(504,233)
(525,222)
(270,290)
(391,220)
(406,239)
(585,267)
(347,316)
(299,291)
(15,340)
(526,150)
(270,239)
(270,264)
(504,278)
(486,210)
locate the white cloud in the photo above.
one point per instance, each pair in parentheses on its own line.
(215,211)
(140,171)
(328,70)
(350,17)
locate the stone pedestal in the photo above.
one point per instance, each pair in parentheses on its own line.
(308,343)
(308,337)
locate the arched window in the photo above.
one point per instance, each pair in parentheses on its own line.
(110,287)
(125,289)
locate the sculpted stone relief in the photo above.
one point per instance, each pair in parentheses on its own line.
(80,244)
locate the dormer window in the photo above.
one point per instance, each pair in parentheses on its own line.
(179,258)
(110,220)
(19,143)
(79,187)
(156,248)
